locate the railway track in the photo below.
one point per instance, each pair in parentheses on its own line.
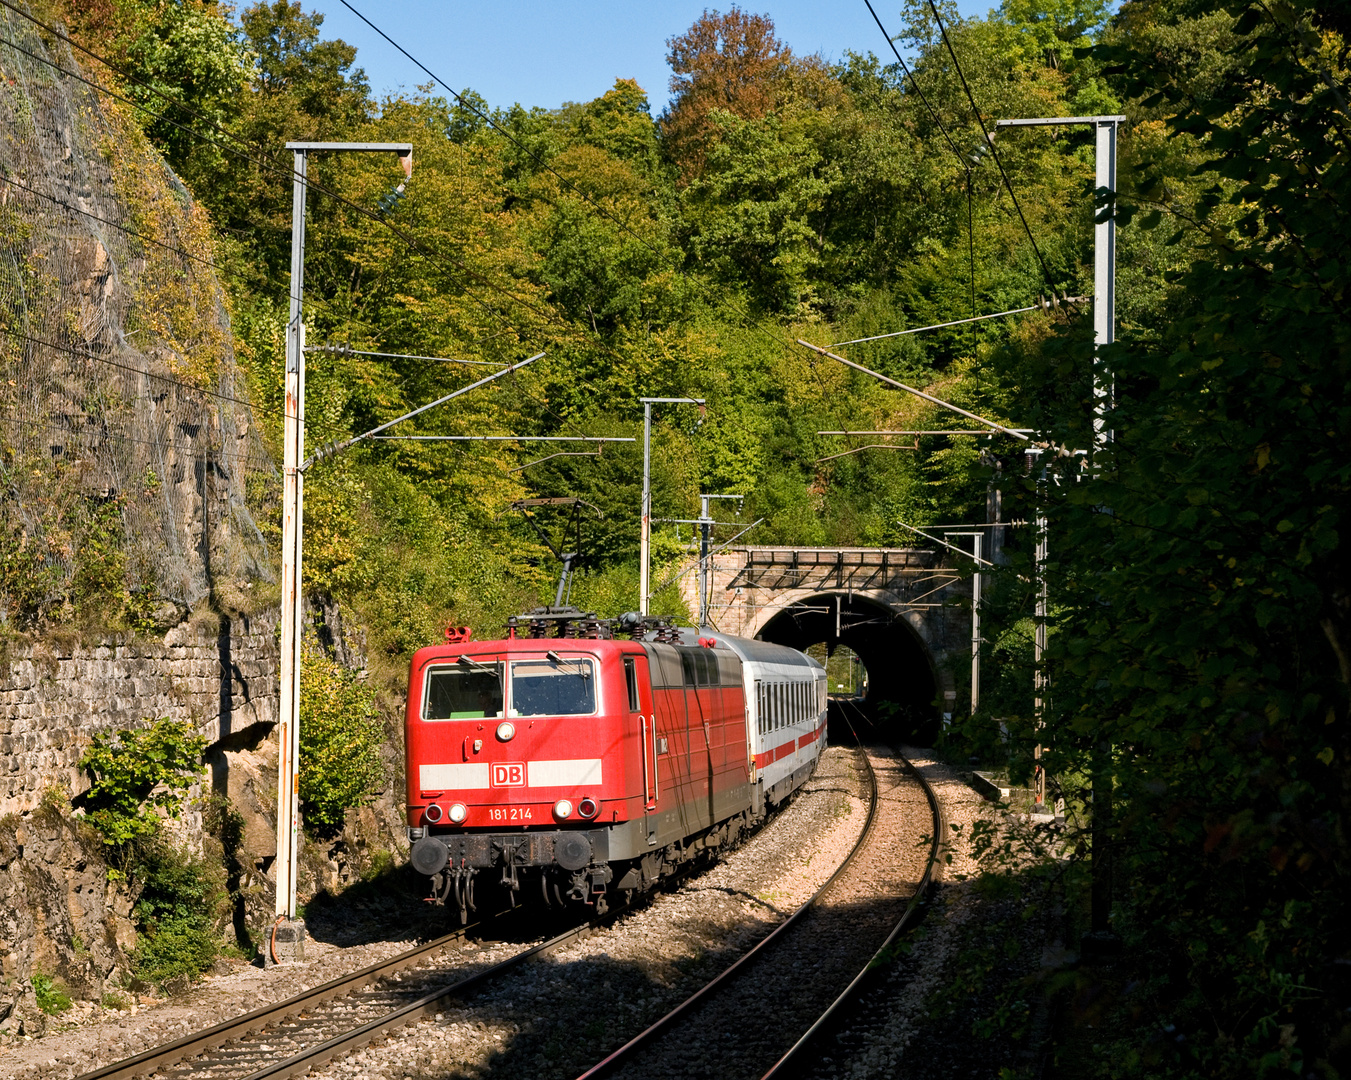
(293,1036)
(763,1015)
(338,1018)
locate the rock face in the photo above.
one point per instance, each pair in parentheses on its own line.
(132,458)
(59,915)
(134,474)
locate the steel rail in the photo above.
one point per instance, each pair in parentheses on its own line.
(200,1041)
(790,1063)
(426,1005)
(650,1033)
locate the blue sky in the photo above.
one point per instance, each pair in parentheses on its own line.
(545,53)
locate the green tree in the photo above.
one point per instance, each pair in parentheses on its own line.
(748,212)
(1203,626)
(340,737)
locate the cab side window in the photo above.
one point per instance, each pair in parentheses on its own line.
(631,680)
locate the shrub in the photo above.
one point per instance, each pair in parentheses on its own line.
(51,998)
(175,912)
(137,775)
(340,738)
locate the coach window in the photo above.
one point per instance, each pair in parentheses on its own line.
(471,690)
(564,686)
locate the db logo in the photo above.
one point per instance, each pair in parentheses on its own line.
(507,774)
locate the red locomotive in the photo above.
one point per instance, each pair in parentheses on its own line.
(570,763)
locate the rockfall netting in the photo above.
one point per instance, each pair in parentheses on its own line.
(128,452)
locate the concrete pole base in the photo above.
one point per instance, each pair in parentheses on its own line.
(285,944)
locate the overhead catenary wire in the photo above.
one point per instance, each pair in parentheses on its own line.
(347,350)
(550,457)
(918,393)
(953,547)
(860,449)
(989,141)
(110,362)
(962,159)
(939,326)
(102,434)
(336,447)
(5,178)
(536,158)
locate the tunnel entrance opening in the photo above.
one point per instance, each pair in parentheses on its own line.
(894,687)
(846,674)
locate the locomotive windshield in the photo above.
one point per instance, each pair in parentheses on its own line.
(463,692)
(563,687)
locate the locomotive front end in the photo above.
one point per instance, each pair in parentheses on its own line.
(518,768)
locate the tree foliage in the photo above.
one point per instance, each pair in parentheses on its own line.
(340,738)
(723,63)
(139,775)
(1196,570)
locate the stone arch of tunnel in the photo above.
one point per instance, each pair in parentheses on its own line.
(903,681)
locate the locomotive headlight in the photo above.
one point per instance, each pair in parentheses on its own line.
(588,807)
(457,812)
(562,808)
(432,813)
(506,731)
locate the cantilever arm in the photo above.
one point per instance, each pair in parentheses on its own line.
(912,390)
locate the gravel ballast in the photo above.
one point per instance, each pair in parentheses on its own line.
(550,1016)
(557,1015)
(911,1021)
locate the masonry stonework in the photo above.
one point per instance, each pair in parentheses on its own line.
(218,673)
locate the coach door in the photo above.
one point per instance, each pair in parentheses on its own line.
(643,715)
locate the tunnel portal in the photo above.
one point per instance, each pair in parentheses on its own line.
(902,688)
(902,610)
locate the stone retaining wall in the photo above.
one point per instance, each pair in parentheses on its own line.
(218,672)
